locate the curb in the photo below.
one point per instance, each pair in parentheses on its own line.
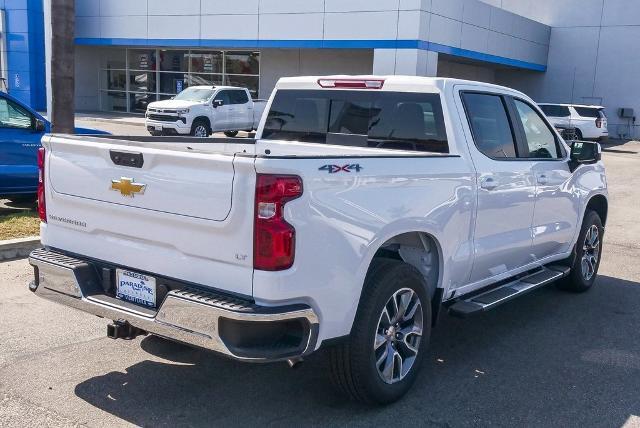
(111,120)
(17,248)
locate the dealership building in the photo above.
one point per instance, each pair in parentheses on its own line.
(132,52)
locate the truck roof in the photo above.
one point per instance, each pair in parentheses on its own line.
(571,105)
(215,87)
(391,82)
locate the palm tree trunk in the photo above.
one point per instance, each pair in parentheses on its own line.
(63,66)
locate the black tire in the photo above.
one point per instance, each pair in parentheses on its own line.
(200,128)
(353,363)
(578,281)
(230,134)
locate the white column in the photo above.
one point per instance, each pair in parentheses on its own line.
(410,62)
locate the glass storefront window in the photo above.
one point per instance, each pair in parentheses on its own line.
(113,79)
(239,62)
(172,83)
(113,101)
(174,60)
(206,62)
(113,58)
(203,79)
(138,102)
(142,81)
(132,78)
(142,59)
(250,82)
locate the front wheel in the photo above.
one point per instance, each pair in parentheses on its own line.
(200,128)
(587,255)
(381,359)
(230,134)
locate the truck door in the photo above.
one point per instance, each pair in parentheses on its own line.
(242,110)
(505,184)
(557,205)
(19,143)
(221,111)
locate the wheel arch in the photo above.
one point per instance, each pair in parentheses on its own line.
(423,251)
(202,118)
(599,204)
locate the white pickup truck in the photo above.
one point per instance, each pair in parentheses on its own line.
(201,110)
(364,207)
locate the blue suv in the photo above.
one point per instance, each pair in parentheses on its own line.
(21,129)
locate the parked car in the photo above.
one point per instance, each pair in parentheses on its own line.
(21,129)
(364,208)
(588,122)
(202,110)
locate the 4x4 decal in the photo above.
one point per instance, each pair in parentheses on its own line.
(332,169)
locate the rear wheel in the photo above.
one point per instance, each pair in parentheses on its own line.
(381,359)
(230,134)
(587,254)
(200,128)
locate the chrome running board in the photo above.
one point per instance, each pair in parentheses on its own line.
(496,296)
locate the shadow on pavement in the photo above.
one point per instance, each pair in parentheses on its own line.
(549,358)
(10,207)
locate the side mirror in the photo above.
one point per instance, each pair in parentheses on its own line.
(39,125)
(218,103)
(584,153)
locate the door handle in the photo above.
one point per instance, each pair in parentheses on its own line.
(542,179)
(488,183)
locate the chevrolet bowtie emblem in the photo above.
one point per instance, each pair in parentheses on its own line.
(127,186)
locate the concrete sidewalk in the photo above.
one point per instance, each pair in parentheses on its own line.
(108,117)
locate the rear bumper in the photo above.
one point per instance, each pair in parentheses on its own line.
(225,324)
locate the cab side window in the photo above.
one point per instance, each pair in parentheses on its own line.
(238,97)
(489,122)
(13,116)
(224,97)
(540,140)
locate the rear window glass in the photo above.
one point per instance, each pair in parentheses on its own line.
(555,111)
(390,120)
(588,112)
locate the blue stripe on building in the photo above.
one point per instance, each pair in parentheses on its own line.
(316,44)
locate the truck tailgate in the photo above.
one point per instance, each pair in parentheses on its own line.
(184,213)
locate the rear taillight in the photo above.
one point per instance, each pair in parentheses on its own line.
(599,122)
(273,237)
(42,206)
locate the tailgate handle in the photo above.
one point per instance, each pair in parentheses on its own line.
(134,160)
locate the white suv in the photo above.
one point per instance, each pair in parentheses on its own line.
(589,122)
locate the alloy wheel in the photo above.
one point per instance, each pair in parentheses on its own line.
(398,335)
(590,253)
(200,131)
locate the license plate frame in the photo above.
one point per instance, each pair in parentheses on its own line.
(136,287)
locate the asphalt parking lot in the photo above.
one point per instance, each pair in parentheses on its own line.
(547,359)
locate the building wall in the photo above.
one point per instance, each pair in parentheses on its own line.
(24,37)
(458,70)
(592,55)
(87,70)
(467,28)
(277,63)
